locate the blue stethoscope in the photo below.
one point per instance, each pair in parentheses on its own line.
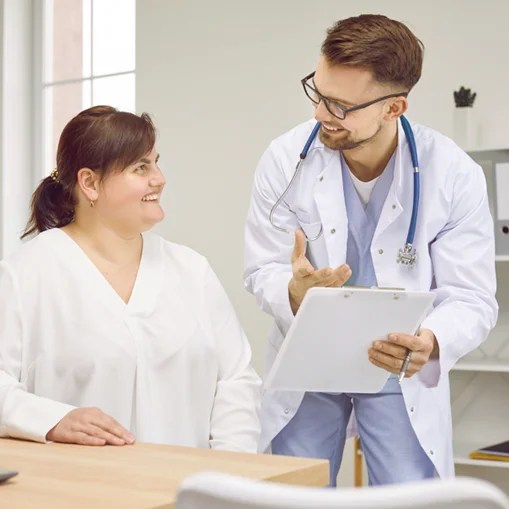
(407,255)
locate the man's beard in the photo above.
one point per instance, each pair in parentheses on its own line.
(345,143)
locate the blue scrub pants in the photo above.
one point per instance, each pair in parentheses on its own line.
(391,448)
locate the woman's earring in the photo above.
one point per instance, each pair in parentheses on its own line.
(91,204)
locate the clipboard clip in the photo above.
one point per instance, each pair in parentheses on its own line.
(396,297)
(378,288)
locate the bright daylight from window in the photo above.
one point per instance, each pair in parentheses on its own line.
(88,58)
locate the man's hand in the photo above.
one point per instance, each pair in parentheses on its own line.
(89,426)
(389,355)
(305,276)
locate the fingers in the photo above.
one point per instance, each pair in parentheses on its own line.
(397,351)
(300,264)
(390,355)
(84,433)
(324,277)
(408,373)
(413,343)
(303,268)
(321,277)
(81,438)
(77,437)
(299,248)
(328,277)
(394,364)
(108,438)
(112,427)
(89,426)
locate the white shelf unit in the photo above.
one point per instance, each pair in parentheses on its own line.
(485,364)
(463,449)
(480,381)
(486,149)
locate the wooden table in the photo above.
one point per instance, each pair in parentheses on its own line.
(142,476)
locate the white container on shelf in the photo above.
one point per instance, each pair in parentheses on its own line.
(466,128)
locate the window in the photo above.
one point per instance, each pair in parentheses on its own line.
(88,58)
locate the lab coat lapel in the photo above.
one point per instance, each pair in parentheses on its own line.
(330,201)
(392,207)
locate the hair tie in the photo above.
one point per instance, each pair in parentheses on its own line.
(54,174)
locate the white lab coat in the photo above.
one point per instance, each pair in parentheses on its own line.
(172,366)
(454,242)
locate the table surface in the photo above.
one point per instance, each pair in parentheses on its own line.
(141,476)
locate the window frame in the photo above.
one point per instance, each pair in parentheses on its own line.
(40,27)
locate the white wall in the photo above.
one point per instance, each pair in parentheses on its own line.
(222,78)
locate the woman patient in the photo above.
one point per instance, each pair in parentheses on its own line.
(110,334)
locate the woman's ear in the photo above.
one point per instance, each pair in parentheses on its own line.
(88,183)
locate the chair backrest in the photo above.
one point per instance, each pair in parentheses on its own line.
(211,490)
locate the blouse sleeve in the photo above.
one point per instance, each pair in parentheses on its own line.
(235,421)
(22,415)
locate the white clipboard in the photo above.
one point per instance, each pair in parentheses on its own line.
(326,348)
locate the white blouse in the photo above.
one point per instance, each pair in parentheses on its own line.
(172,365)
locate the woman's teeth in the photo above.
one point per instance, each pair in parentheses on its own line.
(150,197)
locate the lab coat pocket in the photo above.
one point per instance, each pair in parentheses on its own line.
(311,229)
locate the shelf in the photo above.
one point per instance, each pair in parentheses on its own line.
(487,148)
(502,258)
(485,364)
(462,450)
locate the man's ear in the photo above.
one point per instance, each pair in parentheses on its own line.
(397,107)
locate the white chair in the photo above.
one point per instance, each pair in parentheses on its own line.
(211,490)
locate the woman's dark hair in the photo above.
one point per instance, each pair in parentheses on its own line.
(100,138)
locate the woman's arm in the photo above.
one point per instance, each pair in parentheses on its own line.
(22,415)
(234,421)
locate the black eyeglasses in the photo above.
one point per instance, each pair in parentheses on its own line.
(333,107)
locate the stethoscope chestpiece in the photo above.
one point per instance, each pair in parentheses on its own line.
(407,256)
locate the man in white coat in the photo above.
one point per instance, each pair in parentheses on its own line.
(353,201)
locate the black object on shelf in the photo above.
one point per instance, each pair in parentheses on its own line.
(464,97)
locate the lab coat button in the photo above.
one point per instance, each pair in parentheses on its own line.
(412,409)
(380,251)
(394,206)
(431,452)
(333,231)
(286,410)
(321,178)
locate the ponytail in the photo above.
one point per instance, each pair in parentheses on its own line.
(51,207)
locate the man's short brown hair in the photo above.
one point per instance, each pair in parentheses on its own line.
(378,44)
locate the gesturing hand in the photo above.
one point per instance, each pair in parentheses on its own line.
(306,277)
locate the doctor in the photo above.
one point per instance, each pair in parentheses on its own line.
(353,199)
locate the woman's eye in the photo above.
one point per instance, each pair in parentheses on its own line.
(140,169)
